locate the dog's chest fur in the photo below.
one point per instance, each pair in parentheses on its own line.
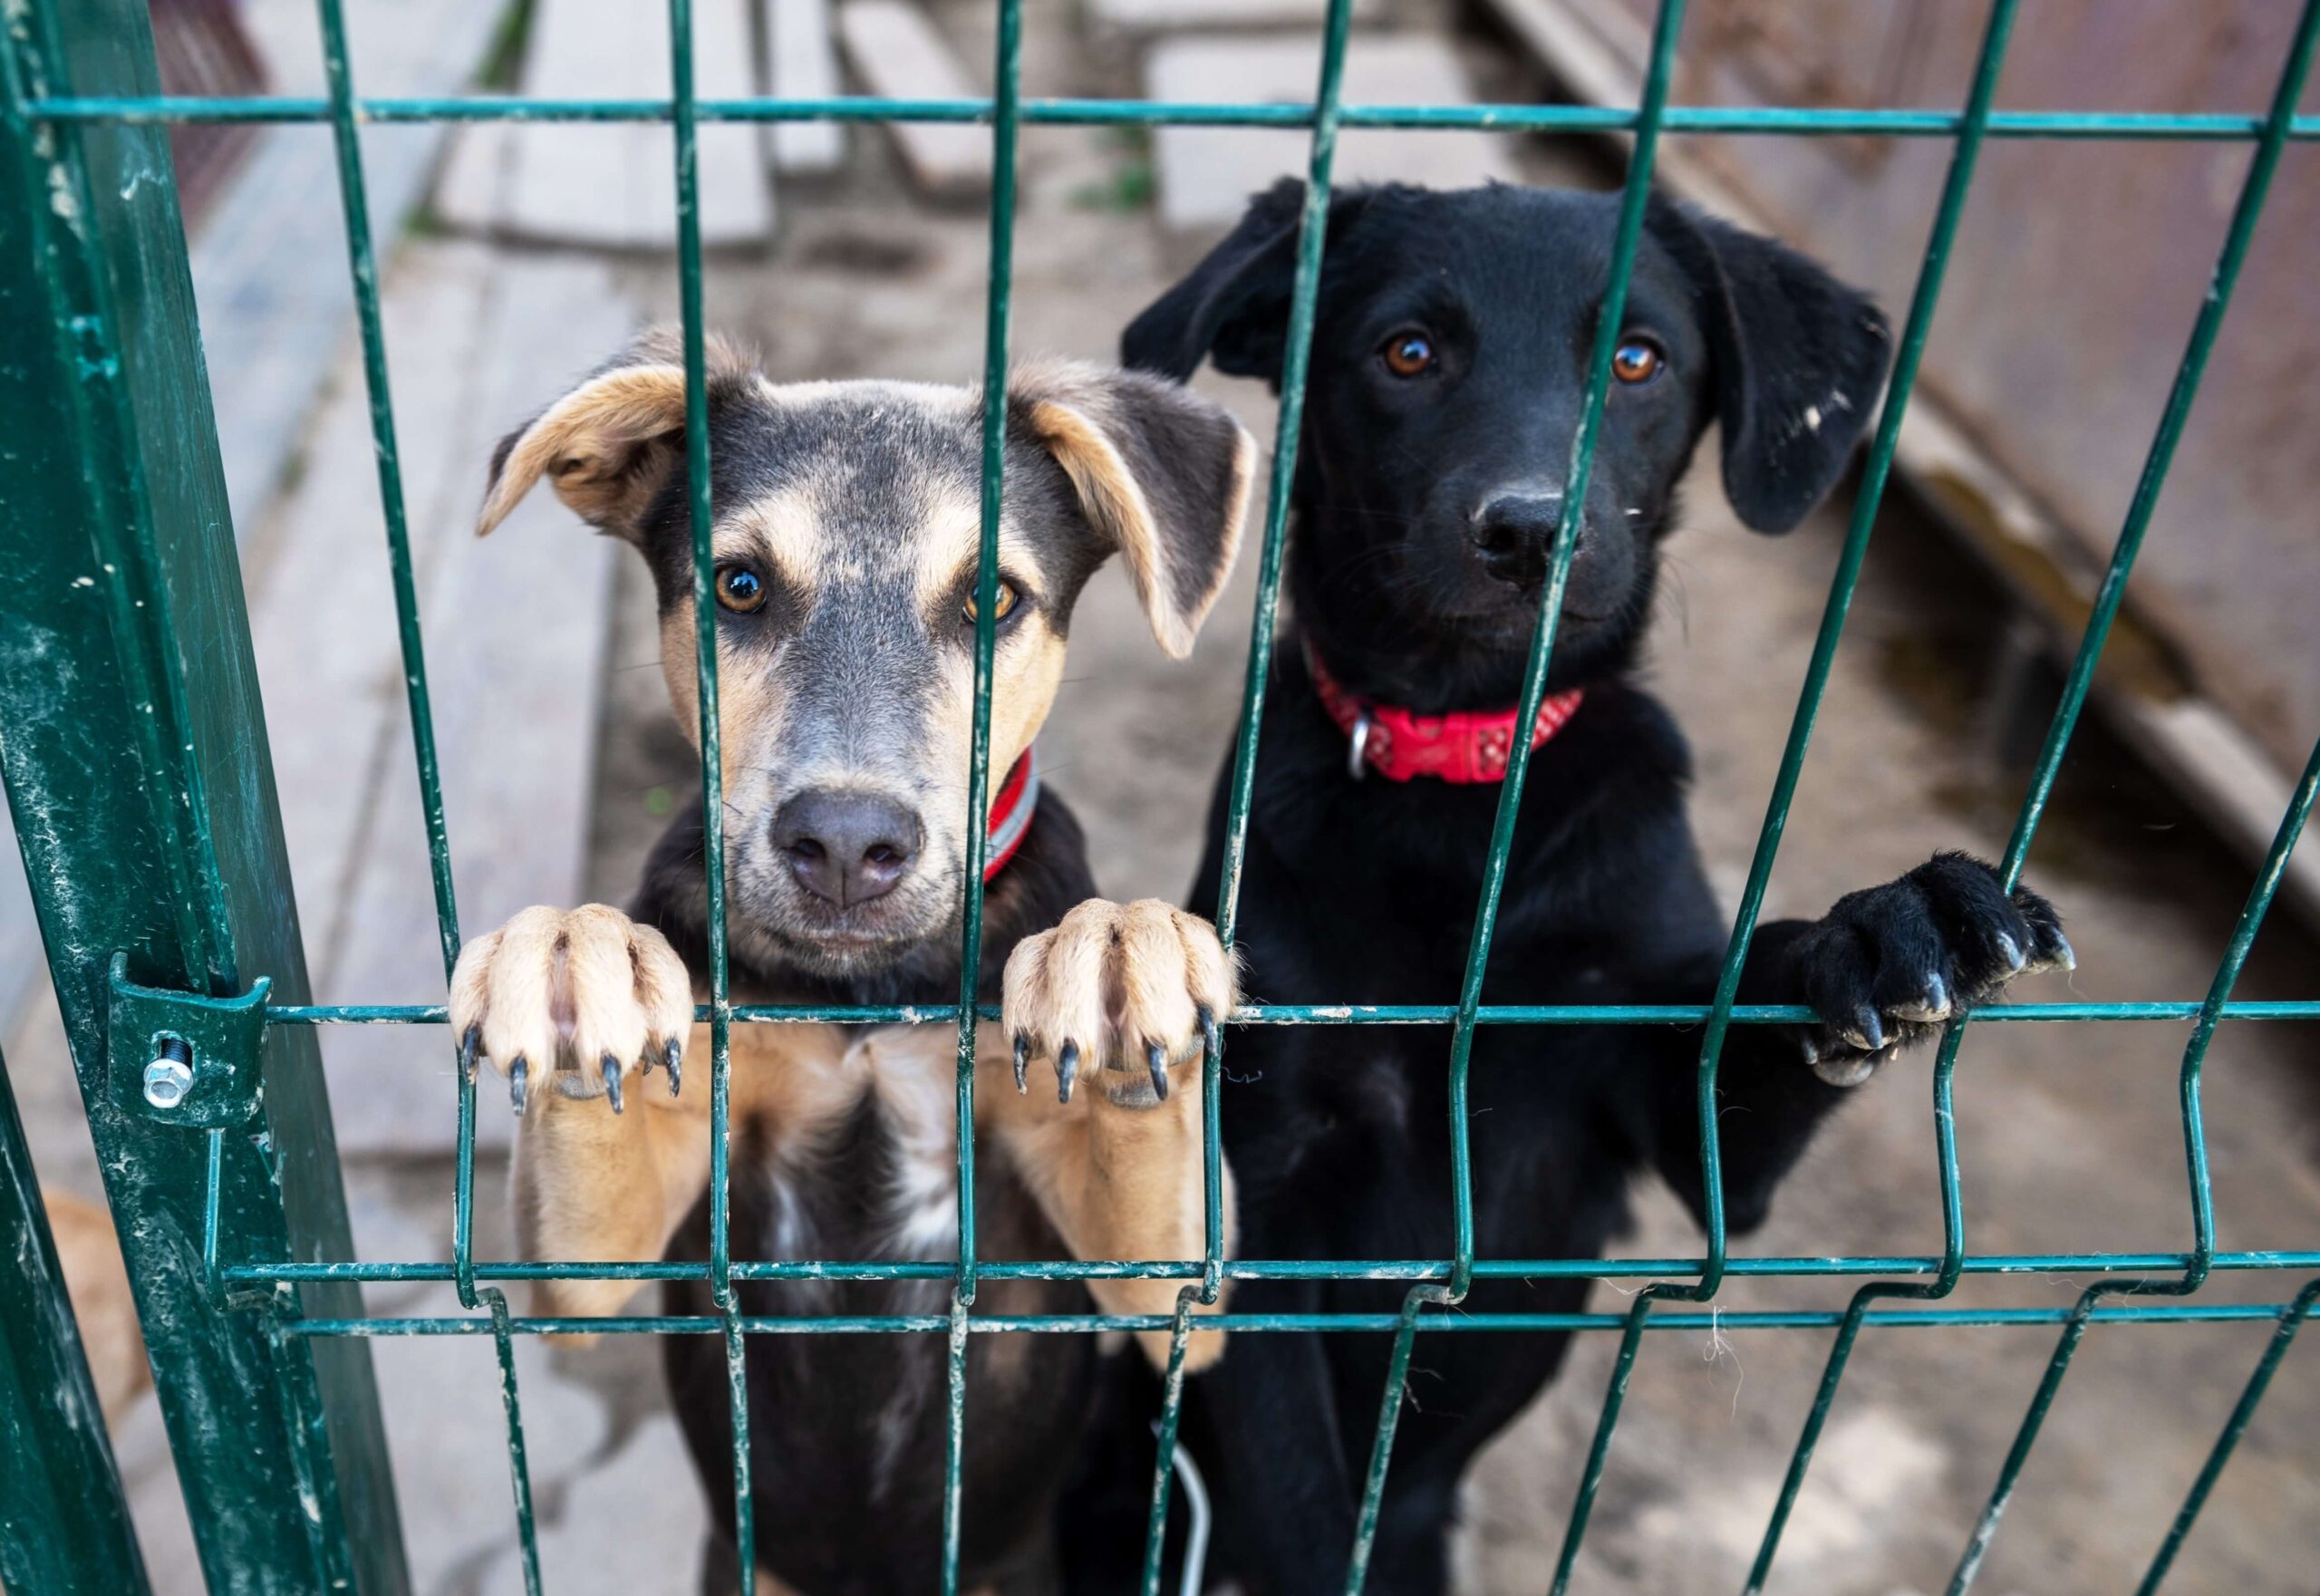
(855,1152)
(851,1155)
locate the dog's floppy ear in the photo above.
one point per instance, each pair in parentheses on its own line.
(1234,305)
(1160,474)
(1799,357)
(609,444)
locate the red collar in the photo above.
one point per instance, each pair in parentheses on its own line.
(1464,746)
(1011,814)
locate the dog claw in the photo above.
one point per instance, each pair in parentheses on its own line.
(1066,1070)
(2011,951)
(2066,957)
(673,1056)
(519,1078)
(1022,1063)
(611,1068)
(1937,995)
(1865,1033)
(470,1046)
(1812,1050)
(1208,1027)
(1156,1058)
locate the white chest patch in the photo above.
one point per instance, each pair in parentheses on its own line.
(908,1073)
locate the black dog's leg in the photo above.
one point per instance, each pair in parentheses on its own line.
(1271,1440)
(1884,967)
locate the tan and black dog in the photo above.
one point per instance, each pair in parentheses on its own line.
(846,526)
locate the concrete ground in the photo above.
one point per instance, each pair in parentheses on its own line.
(2069,1135)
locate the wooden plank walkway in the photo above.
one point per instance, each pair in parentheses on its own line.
(612,185)
(1208,174)
(514,632)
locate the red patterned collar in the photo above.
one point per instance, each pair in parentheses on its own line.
(1012,809)
(1464,746)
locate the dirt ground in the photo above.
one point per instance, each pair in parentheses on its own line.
(2069,1135)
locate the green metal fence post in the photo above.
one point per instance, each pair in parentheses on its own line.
(64,1528)
(135,760)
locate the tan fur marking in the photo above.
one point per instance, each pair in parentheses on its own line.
(745,697)
(1127,1185)
(1118,1182)
(1116,501)
(587,442)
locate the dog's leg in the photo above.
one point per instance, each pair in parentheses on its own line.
(575,1007)
(1886,967)
(1120,999)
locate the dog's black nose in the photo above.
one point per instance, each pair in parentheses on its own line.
(1513,534)
(847,848)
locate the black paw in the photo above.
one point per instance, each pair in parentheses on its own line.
(1888,965)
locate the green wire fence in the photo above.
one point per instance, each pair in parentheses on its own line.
(79,108)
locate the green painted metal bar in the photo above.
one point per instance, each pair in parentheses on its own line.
(2235,958)
(1609,326)
(146,809)
(363,263)
(2077,687)
(1636,1320)
(999,297)
(1658,73)
(1007,77)
(1296,366)
(1312,242)
(1080,1324)
(65,1525)
(736,1407)
(2242,1414)
(1770,120)
(1381,1444)
(1172,1407)
(1785,1267)
(685,116)
(954,1441)
(1909,356)
(519,1473)
(1361,1013)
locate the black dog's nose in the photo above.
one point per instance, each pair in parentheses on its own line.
(847,848)
(1513,534)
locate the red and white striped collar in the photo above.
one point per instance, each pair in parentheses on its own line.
(1017,800)
(1463,745)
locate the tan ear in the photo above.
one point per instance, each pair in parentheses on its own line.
(609,444)
(1162,475)
(598,445)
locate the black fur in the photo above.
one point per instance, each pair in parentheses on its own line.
(1363,890)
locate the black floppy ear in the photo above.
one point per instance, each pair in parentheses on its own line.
(1234,306)
(1162,475)
(1799,358)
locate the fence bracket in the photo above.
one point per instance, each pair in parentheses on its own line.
(211,1042)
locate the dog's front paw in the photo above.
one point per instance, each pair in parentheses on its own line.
(1887,964)
(1129,991)
(583,995)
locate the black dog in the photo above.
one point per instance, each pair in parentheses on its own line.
(1449,361)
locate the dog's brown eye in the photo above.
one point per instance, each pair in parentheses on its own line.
(1408,354)
(1637,360)
(740,589)
(1006,602)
